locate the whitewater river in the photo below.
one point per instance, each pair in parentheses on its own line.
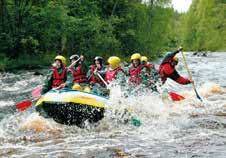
(189,128)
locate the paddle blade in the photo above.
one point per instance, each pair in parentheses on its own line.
(136,122)
(24,105)
(36,92)
(197,95)
(176,97)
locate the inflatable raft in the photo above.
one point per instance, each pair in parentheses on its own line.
(72,107)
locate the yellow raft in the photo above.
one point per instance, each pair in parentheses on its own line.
(72,107)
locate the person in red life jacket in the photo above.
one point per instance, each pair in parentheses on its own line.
(136,70)
(97,67)
(114,71)
(77,72)
(58,75)
(167,69)
(151,77)
(147,65)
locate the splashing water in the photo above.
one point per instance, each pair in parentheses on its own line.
(188,128)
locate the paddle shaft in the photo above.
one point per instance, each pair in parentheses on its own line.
(190,76)
(100,77)
(72,64)
(36,92)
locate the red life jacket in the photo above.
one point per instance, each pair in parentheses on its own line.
(135,74)
(111,74)
(58,79)
(79,75)
(162,71)
(93,79)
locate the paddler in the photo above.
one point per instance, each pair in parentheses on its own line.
(136,70)
(114,70)
(97,68)
(96,75)
(76,76)
(57,76)
(167,68)
(151,76)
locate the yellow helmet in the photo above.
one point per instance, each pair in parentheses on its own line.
(61,58)
(114,61)
(144,59)
(135,56)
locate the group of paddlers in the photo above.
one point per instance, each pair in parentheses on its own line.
(140,72)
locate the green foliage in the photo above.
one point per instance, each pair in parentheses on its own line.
(25,61)
(155,32)
(29,45)
(3,62)
(204,25)
(32,29)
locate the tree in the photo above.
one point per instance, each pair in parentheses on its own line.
(205,25)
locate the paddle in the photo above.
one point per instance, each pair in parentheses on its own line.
(175,97)
(101,78)
(36,92)
(25,104)
(190,76)
(73,64)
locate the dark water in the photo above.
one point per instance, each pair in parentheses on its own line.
(184,129)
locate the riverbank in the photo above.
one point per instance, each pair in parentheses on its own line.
(25,62)
(36,62)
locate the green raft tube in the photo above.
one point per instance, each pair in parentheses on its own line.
(72,107)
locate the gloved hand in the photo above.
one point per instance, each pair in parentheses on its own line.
(191,81)
(180,48)
(82,58)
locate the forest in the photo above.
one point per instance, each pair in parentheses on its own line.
(33,32)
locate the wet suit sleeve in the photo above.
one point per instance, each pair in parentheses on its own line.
(178,78)
(168,71)
(47,82)
(144,76)
(183,80)
(169,56)
(69,82)
(154,74)
(89,73)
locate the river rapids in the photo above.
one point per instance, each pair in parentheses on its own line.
(189,128)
